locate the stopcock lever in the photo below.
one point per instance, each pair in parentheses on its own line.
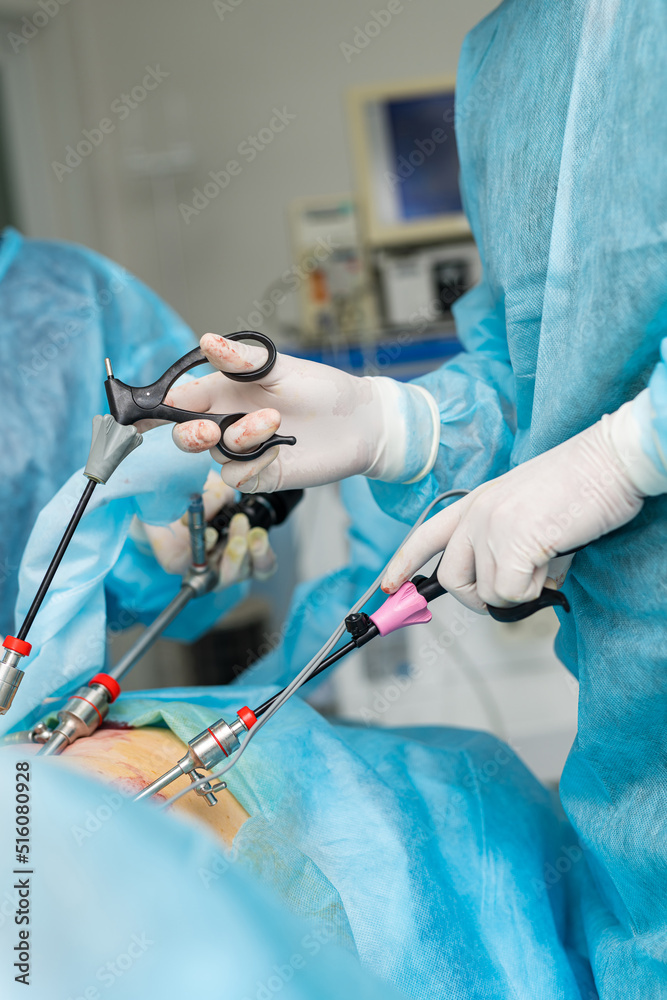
(128,404)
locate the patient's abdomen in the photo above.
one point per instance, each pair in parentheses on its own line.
(132,758)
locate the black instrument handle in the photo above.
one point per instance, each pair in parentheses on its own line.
(263,510)
(128,404)
(430,588)
(549,598)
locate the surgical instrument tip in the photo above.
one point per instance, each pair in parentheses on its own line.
(206,751)
(160,783)
(57,743)
(107,365)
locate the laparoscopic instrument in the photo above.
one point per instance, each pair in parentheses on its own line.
(408,606)
(86,708)
(114,437)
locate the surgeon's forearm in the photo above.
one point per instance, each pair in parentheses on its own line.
(475,430)
(409,432)
(646,434)
(636,440)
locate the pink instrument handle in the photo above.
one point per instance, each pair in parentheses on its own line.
(405,607)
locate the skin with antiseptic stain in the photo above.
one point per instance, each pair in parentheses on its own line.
(129,759)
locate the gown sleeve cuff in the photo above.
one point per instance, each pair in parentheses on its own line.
(629,426)
(410,432)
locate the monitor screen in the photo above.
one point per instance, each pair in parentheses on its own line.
(407,162)
(423,156)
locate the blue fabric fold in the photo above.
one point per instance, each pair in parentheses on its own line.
(562,140)
(63,309)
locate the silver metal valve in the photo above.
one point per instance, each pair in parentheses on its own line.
(205,791)
(10,678)
(82,715)
(208,749)
(13,651)
(214,744)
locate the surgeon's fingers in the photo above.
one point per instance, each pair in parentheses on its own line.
(200,394)
(459,570)
(171,546)
(235,563)
(216,495)
(430,538)
(263,474)
(239,527)
(521,564)
(247,553)
(236,356)
(262,556)
(211,538)
(244,435)
(515,582)
(478,574)
(252,430)
(196,435)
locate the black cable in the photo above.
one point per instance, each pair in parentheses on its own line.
(429,588)
(312,666)
(263,510)
(55,562)
(332,658)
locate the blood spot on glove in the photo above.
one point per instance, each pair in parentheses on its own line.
(254,427)
(197,435)
(227,352)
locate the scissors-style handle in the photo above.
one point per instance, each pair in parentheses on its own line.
(430,588)
(128,404)
(549,598)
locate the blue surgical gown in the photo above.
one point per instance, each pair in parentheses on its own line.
(431,853)
(63,309)
(562,136)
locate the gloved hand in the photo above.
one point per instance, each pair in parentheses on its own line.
(344,425)
(500,540)
(246,554)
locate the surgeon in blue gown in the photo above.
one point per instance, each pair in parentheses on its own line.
(560,400)
(427,854)
(63,309)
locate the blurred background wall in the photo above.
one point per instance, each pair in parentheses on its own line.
(228,66)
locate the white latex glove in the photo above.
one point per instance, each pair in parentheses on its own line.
(247,552)
(500,540)
(344,425)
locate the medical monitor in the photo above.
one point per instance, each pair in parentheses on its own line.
(407,163)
